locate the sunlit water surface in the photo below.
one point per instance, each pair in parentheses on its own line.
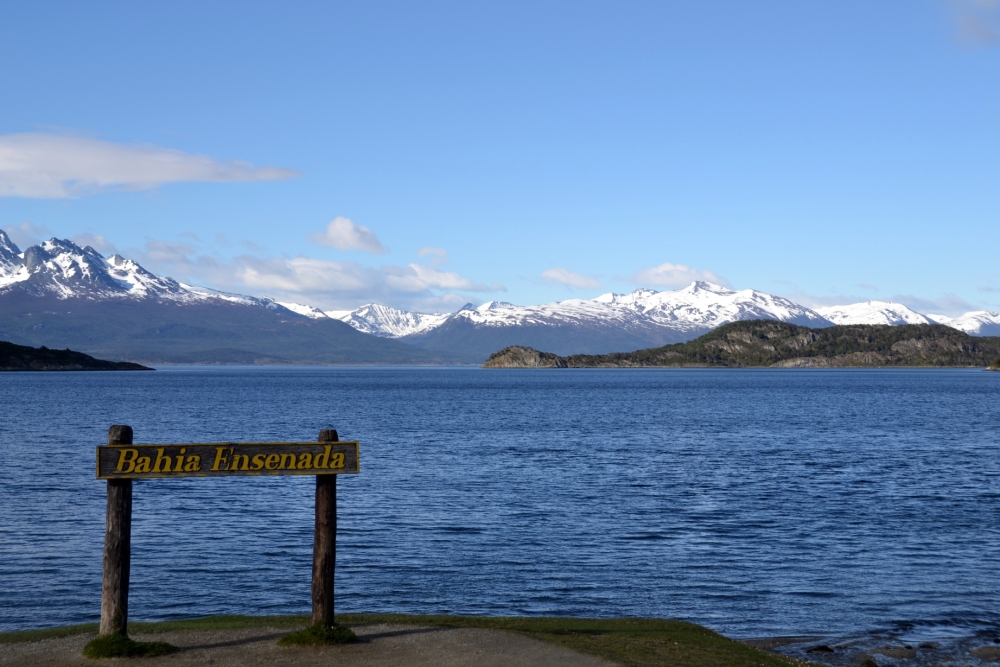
(755,502)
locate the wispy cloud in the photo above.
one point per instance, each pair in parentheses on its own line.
(95,241)
(438,256)
(569,278)
(947,305)
(27,234)
(345,234)
(977,22)
(54,166)
(318,282)
(675,276)
(419,278)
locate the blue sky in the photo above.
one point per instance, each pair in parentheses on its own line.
(427,154)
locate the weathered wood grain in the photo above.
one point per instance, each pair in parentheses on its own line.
(227,459)
(117,546)
(325,542)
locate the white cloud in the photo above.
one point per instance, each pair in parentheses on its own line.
(303,275)
(95,241)
(675,276)
(27,234)
(570,278)
(161,252)
(52,166)
(438,256)
(321,283)
(419,278)
(345,234)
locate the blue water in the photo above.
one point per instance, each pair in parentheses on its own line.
(755,502)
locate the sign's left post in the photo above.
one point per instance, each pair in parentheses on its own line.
(117,546)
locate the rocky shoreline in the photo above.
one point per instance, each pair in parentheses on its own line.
(24,358)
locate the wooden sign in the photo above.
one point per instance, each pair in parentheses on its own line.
(227,459)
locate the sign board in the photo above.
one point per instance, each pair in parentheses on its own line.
(227,459)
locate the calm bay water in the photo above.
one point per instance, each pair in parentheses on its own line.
(757,503)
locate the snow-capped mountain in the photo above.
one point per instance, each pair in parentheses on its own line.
(874,312)
(387,322)
(59,295)
(977,323)
(607,323)
(697,307)
(63,269)
(702,304)
(60,271)
(375,319)
(304,310)
(610,322)
(616,322)
(974,323)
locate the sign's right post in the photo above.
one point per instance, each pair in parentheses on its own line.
(324,542)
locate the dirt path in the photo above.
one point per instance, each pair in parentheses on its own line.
(378,646)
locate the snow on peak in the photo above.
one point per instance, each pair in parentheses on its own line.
(495,305)
(699,306)
(8,251)
(62,268)
(386,322)
(873,312)
(304,310)
(702,286)
(977,323)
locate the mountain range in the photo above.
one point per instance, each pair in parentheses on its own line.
(616,322)
(61,295)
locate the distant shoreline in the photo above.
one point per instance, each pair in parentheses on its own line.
(773,344)
(23,358)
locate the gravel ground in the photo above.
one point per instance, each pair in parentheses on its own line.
(378,646)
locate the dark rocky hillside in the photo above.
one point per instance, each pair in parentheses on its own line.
(23,358)
(768,343)
(213,332)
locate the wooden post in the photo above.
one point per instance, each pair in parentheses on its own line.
(117,546)
(324,542)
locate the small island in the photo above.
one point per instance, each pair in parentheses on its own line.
(24,358)
(773,344)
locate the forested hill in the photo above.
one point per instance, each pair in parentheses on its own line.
(23,358)
(769,343)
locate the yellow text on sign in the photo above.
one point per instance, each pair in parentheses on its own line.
(226,459)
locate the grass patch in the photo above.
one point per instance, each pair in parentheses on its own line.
(631,642)
(319,635)
(48,633)
(120,646)
(141,627)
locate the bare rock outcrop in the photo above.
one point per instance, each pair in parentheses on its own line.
(516,356)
